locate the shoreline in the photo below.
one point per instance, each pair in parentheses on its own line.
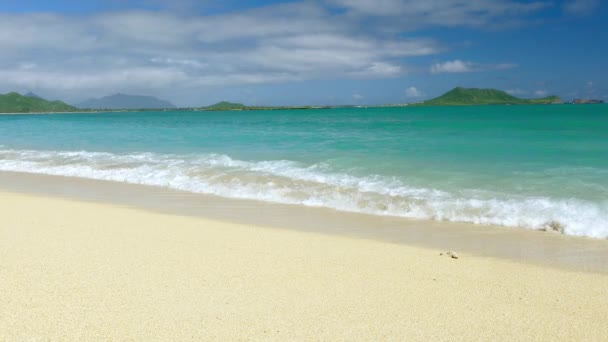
(81,270)
(418,105)
(515,244)
(78,112)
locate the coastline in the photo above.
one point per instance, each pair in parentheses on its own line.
(515,244)
(75,269)
(188,109)
(48,113)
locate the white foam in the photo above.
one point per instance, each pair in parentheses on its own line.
(289,182)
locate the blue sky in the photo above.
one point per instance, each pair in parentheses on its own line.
(302,52)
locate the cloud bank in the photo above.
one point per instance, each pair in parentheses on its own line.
(139,50)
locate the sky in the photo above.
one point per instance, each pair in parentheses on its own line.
(309,52)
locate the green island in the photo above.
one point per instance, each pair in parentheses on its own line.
(17,103)
(225,105)
(460,96)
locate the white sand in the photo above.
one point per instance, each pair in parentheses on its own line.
(80,271)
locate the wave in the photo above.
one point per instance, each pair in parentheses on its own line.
(318,185)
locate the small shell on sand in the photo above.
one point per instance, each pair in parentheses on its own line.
(451,254)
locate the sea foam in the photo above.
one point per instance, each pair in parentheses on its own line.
(284,181)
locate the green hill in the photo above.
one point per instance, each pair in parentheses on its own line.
(17,103)
(474,96)
(225,105)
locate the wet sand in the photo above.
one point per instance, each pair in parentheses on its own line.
(521,245)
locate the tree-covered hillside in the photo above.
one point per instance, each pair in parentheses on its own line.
(474,96)
(17,103)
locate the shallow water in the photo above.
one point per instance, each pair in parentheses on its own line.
(520,166)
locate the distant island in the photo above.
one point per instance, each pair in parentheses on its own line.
(30,94)
(124,101)
(225,105)
(460,96)
(17,103)
(586,101)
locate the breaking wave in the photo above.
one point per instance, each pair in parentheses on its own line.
(284,181)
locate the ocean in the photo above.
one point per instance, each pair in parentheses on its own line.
(514,166)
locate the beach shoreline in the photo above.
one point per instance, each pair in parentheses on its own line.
(75,270)
(516,244)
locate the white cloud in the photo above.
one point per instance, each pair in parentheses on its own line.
(166,49)
(413,92)
(377,69)
(177,50)
(27,66)
(580,7)
(44,31)
(357,97)
(540,93)
(459,66)
(121,78)
(188,63)
(414,13)
(455,66)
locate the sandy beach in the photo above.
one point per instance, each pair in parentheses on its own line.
(301,170)
(74,270)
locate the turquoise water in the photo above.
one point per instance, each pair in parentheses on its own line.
(520,166)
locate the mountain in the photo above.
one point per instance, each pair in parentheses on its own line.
(474,96)
(30,94)
(17,103)
(123,101)
(225,105)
